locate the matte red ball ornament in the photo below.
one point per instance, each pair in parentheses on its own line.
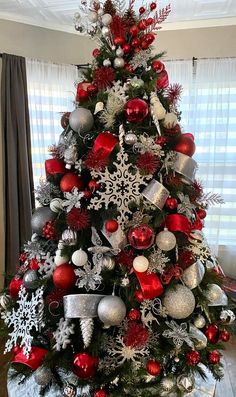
(139,295)
(153,6)
(69,181)
(224,335)
(149,21)
(96,52)
(158,66)
(100,393)
(193,358)
(111,225)
(64,276)
(126,48)
(65,119)
(213,357)
(153,367)
(14,287)
(119,40)
(141,237)
(136,110)
(142,24)
(85,366)
(212,333)
(162,80)
(185,145)
(82,95)
(134,31)
(171,203)
(134,315)
(201,213)
(142,10)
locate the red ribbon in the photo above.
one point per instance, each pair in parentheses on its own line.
(167,275)
(54,166)
(178,223)
(150,285)
(104,144)
(36,357)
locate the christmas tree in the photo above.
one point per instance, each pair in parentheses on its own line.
(117,286)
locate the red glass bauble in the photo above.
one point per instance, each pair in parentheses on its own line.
(35,359)
(224,335)
(65,119)
(136,110)
(212,333)
(93,185)
(85,366)
(69,181)
(14,287)
(149,38)
(126,48)
(171,203)
(64,276)
(134,30)
(185,145)
(87,194)
(119,40)
(193,358)
(144,44)
(139,295)
(158,66)
(141,237)
(111,225)
(92,90)
(96,52)
(153,6)
(142,24)
(162,81)
(134,315)
(136,50)
(213,357)
(153,367)
(100,393)
(201,213)
(82,95)
(149,21)
(142,10)
(135,42)
(129,68)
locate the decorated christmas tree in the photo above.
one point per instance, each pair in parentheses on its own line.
(117,292)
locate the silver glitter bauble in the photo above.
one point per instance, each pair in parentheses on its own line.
(4,301)
(199,339)
(69,237)
(108,262)
(107,63)
(31,280)
(111,310)
(185,383)
(193,275)
(179,302)
(105,31)
(165,240)
(40,217)
(93,16)
(119,52)
(56,205)
(130,139)
(215,295)
(43,376)
(167,384)
(106,19)
(81,120)
(119,63)
(199,321)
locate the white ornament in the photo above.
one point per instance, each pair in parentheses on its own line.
(105,31)
(62,335)
(93,16)
(27,318)
(119,63)
(165,240)
(56,205)
(140,264)
(130,139)
(106,19)
(99,107)
(72,199)
(106,63)
(170,120)
(157,109)
(48,266)
(59,259)
(179,334)
(4,301)
(119,52)
(79,257)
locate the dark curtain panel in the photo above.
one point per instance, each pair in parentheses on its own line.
(18,176)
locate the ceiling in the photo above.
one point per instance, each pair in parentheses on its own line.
(58,14)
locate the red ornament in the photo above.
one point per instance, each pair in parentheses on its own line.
(69,181)
(144,44)
(135,42)
(35,359)
(104,144)
(119,40)
(186,259)
(147,162)
(171,203)
(100,393)
(104,77)
(150,284)
(212,333)
(65,119)
(153,367)
(54,167)
(125,258)
(92,90)
(64,276)
(158,66)
(136,110)
(142,10)
(162,81)
(173,132)
(126,48)
(14,287)
(81,95)
(198,224)
(134,315)
(142,24)
(93,185)
(95,160)
(149,38)
(96,52)
(149,21)
(85,366)
(153,6)
(129,68)
(34,264)
(87,194)
(136,50)
(134,31)
(139,295)
(185,145)
(193,358)
(137,335)
(201,213)
(213,357)
(141,237)
(161,140)
(78,219)
(224,335)
(111,225)
(49,231)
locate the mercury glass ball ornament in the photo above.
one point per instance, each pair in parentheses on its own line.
(111,310)
(79,257)
(93,16)
(185,383)
(130,139)
(4,301)
(108,262)
(43,376)
(165,240)
(69,237)
(106,19)
(167,384)
(119,63)
(179,302)
(199,321)
(81,120)
(119,52)
(105,31)
(140,264)
(56,205)
(107,63)
(31,280)
(40,217)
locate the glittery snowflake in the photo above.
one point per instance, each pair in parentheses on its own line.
(178,333)
(33,250)
(157,261)
(185,207)
(47,267)
(25,319)
(99,250)
(62,335)
(147,144)
(120,187)
(115,104)
(202,251)
(72,199)
(45,192)
(89,276)
(140,60)
(169,161)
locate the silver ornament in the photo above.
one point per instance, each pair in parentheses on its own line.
(193,275)
(157,194)
(130,139)
(40,217)
(43,376)
(4,301)
(136,82)
(69,391)
(200,340)
(179,302)
(31,280)
(185,166)
(106,19)
(107,63)
(86,326)
(105,31)
(199,321)
(125,282)
(69,237)
(167,384)
(215,295)
(111,310)
(70,156)
(185,383)
(227,316)
(119,52)
(119,63)
(165,240)
(93,16)
(81,120)
(108,262)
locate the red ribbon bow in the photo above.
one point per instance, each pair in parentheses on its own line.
(104,144)
(150,285)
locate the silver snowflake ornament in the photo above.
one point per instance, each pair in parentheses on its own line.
(33,250)
(72,199)
(178,333)
(47,266)
(140,60)
(185,206)
(157,261)
(147,144)
(89,277)
(62,335)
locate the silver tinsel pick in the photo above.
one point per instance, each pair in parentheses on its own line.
(45,192)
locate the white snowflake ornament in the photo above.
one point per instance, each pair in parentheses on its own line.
(62,335)
(47,267)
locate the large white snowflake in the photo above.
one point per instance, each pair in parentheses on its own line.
(47,267)
(89,276)
(62,335)
(28,317)
(120,187)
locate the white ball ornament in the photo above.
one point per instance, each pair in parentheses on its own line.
(106,19)
(170,120)
(165,240)
(119,52)
(130,139)
(107,63)
(93,16)
(56,205)
(105,31)
(140,264)
(119,63)
(79,257)
(111,310)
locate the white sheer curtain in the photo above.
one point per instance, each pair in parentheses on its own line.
(51,92)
